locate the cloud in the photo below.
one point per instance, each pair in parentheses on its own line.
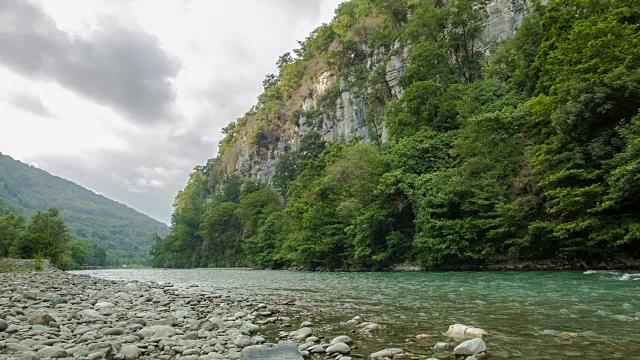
(74,57)
(113,65)
(30,103)
(300,8)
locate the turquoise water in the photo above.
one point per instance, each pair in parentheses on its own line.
(601,308)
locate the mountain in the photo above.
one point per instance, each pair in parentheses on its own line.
(431,134)
(122,230)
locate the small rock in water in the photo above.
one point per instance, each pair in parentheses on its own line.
(464,331)
(368,327)
(550,332)
(386,353)
(441,346)
(338,348)
(301,333)
(342,338)
(470,347)
(568,335)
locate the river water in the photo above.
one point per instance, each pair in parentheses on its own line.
(524,312)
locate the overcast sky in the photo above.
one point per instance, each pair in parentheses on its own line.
(126,97)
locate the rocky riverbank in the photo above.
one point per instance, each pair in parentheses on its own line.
(53,314)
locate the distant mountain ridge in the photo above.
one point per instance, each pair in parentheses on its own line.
(121,230)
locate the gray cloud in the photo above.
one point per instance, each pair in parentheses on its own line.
(156,162)
(30,103)
(117,66)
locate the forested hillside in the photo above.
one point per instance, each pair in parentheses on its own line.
(125,233)
(458,151)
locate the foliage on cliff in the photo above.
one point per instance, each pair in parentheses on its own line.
(125,233)
(528,153)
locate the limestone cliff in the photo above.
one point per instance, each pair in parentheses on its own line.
(345,117)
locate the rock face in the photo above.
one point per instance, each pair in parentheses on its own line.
(283,351)
(344,118)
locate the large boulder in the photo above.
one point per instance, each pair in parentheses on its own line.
(471,347)
(283,351)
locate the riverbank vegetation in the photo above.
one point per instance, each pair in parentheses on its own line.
(46,236)
(528,151)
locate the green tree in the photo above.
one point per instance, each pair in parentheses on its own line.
(12,230)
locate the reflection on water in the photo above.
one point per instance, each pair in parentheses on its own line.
(523,311)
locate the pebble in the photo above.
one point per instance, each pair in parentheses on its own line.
(92,318)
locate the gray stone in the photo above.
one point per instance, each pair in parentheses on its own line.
(339,348)
(163,331)
(17,347)
(30,295)
(51,352)
(3,325)
(58,301)
(283,351)
(441,346)
(249,328)
(386,353)
(243,341)
(40,319)
(29,355)
(103,305)
(470,347)
(113,331)
(89,313)
(130,352)
(342,338)
(301,333)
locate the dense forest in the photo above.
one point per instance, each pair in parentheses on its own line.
(123,233)
(527,150)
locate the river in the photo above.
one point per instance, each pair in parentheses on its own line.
(524,312)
